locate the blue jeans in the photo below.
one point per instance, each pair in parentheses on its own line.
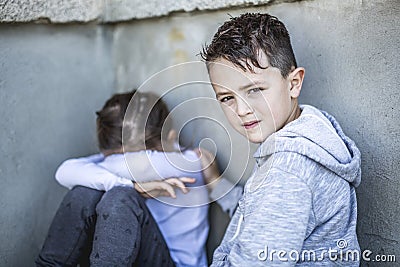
(97,228)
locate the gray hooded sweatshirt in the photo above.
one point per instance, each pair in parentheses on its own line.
(299,206)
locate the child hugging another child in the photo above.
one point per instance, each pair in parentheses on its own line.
(104,220)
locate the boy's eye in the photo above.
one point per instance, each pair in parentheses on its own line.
(254,90)
(226,99)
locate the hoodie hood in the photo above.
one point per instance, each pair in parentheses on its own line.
(318,136)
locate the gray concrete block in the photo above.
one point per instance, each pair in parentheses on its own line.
(64,11)
(117,10)
(60,11)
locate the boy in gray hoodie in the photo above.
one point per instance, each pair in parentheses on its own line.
(299,206)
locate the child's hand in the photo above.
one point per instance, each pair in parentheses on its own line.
(210,168)
(165,187)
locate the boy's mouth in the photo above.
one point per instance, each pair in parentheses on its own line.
(250,124)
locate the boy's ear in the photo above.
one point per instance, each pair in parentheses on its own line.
(296,78)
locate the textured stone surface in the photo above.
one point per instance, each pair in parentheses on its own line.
(127,9)
(56,11)
(62,11)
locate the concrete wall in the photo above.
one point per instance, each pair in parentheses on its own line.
(351,57)
(52,79)
(349,50)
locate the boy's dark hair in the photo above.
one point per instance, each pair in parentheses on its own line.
(240,39)
(144,125)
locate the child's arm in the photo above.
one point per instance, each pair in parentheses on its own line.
(226,194)
(223,191)
(276,219)
(85,172)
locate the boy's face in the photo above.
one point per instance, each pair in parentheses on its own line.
(255,104)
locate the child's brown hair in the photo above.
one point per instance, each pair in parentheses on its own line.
(143,126)
(241,39)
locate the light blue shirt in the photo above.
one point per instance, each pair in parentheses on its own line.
(183,221)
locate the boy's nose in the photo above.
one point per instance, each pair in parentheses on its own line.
(243,108)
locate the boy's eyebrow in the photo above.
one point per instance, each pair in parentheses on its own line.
(223,93)
(254,83)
